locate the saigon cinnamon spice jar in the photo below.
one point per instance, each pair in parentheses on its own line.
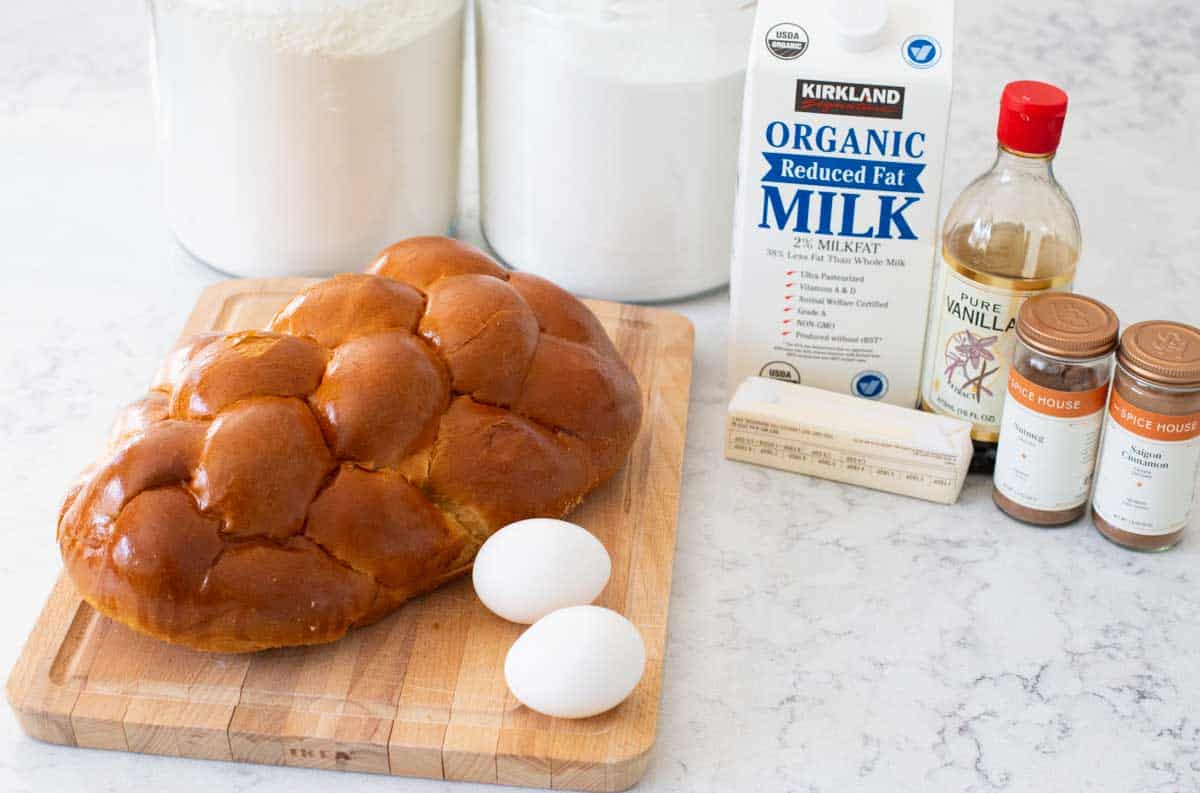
(1150,457)
(1054,407)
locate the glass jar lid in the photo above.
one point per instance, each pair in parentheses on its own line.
(1067,325)
(1163,352)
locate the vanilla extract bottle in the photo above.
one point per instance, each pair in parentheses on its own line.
(1012,234)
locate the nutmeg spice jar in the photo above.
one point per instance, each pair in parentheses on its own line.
(1150,457)
(1054,408)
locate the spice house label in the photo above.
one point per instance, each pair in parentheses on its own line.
(1048,443)
(1146,483)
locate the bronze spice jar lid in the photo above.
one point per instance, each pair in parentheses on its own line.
(1163,352)
(1067,325)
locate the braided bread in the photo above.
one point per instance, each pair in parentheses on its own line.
(277,487)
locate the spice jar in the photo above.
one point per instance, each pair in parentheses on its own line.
(1150,458)
(1054,409)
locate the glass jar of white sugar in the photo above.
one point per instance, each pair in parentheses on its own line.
(299,137)
(609,139)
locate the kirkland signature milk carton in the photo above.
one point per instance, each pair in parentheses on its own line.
(843,138)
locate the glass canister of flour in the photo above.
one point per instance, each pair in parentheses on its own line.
(609,138)
(299,137)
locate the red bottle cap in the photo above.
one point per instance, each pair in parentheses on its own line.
(1031,117)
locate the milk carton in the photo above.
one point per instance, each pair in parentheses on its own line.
(843,139)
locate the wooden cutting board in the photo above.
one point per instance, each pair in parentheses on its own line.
(421,693)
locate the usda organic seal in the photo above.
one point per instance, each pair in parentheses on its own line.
(787,41)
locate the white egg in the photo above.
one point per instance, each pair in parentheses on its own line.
(533,567)
(576,662)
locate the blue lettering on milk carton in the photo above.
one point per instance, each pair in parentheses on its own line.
(840,181)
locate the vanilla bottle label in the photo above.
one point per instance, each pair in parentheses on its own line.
(1146,481)
(972,333)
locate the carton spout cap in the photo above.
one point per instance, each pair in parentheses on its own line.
(859,25)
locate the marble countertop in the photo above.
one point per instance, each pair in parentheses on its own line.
(822,638)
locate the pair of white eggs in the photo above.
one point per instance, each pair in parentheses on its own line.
(575,660)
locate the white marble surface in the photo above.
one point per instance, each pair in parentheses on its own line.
(821,638)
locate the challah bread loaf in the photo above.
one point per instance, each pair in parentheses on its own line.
(277,487)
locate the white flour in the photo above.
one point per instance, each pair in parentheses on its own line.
(609,138)
(301,136)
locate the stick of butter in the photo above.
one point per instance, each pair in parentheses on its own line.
(848,439)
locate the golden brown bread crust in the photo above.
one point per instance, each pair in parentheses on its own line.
(278,487)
